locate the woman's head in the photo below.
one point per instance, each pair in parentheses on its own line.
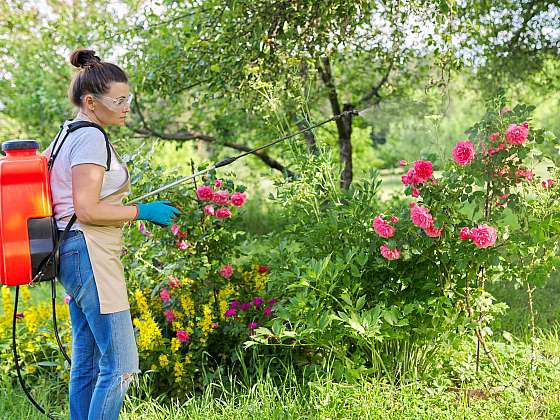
(99,89)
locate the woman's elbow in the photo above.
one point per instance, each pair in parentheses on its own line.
(85,213)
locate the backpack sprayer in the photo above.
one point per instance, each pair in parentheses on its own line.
(29,239)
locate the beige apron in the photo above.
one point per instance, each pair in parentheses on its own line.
(104,245)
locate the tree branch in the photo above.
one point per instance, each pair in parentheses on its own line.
(374,92)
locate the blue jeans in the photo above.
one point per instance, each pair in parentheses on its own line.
(104,353)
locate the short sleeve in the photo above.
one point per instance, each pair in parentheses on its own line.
(88,146)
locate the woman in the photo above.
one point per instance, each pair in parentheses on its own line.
(104,353)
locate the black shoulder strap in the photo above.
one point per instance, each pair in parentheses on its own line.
(76,125)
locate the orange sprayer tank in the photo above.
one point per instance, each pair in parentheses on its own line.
(27,230)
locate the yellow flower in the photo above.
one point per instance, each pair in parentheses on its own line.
(188,359)
(163,360)
(25,295)
(175,345)
(178,370)
(149,334)
(188,305)
(142,303)
(207,321)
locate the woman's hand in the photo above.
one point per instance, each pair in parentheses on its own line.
(159,212)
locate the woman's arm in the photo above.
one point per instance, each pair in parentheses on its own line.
(87,180)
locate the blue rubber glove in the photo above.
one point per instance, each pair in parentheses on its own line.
(158,212)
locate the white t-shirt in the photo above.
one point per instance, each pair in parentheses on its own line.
(85,145)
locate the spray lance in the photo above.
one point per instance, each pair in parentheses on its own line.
(37,239)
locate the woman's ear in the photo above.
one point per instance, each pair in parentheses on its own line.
(89,102)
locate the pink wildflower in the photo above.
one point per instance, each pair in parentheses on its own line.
(403,162)
(272,302)
(230,312)
(494,136)
(144,231)
(382,228)
(173,282)
(465,233)
(252,325)
(267,311)
(238,199)
(226,271)
(234,304)
(433,232)
(463,152)
(258,301)
(170,315)
(182,336)
(264,268)
(517,134)
(217,183)
(548,183)
(223,213)
(390,254)
(175,229)
(421,217)
(244,306)
(423,170)
(483,236)
(221,197)
(164,295)
(182,245)
(205,193)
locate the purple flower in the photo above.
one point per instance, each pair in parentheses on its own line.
(19,315)
(252,325)
(234,304)
(267,311)
(272,302)
(230,312)
(245,306)
(258,301)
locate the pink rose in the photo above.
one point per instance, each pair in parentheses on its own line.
(238,199)
(175,229)
(517,134)
(226,271)
(421,217)
(217,183)
(465,233)
(494,136)
(264,268)
(423,170)
(173,282)
(209,210)
(182,245)
(525,173)
(223,213)
(548,183)
(403,162)
(433,232)
(182,336)
(382,228)
(204,193)
(394,219)
(164,295)
(170,315)
(144,231)
(463,152)
(390,254)
(414,192)
(483,236)
(221,197)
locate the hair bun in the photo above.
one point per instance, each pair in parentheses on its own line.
(83,58)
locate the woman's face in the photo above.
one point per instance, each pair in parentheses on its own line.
(112,107)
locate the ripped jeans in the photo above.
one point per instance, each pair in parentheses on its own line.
(104,353)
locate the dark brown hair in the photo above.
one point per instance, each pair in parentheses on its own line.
(94,77)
